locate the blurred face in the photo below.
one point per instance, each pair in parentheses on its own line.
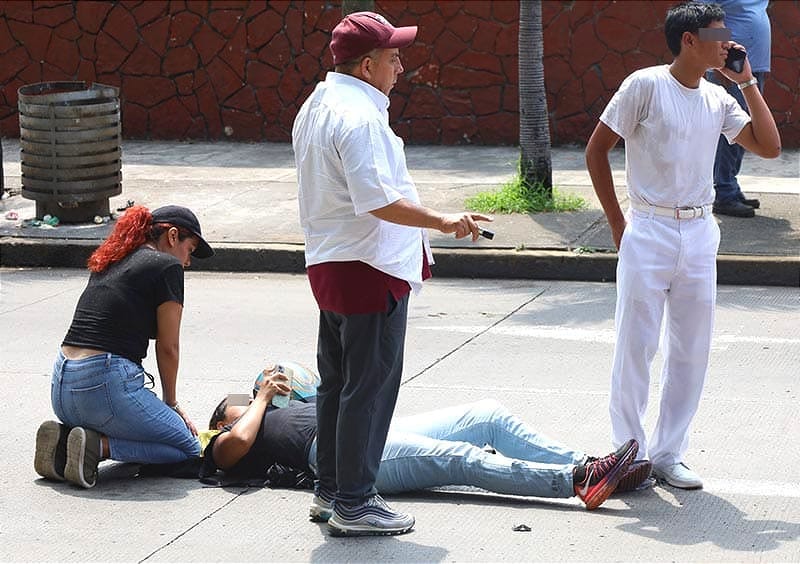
(712,52)
(232,414)
(382,70)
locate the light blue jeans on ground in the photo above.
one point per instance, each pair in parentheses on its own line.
(445,448)
(106,393)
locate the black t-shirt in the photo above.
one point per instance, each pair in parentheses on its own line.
(285,437)
(117,311)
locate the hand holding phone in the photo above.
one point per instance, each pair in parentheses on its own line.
(735,60)
(267,377)
(279,400)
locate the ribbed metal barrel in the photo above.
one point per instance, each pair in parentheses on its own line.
(70,135)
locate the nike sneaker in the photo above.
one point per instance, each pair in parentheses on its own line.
(596,480)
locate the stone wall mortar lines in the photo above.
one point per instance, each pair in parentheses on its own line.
(198,70)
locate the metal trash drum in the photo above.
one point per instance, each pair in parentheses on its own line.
(70,141)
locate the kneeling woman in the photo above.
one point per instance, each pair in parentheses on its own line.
(98,390)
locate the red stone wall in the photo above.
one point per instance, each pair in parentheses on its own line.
(215,69)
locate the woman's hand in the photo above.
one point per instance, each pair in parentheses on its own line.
(230,447)
(272,381)
(186,419)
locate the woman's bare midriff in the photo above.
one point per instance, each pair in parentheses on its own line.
(77,353)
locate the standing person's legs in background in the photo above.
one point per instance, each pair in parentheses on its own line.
(729,198)
(687,344)
(329,364)
(370,364)
(646,260)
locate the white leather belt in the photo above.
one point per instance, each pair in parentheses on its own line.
(685,212)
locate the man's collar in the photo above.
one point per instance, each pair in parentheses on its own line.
(380,99)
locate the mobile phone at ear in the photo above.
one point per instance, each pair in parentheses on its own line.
(735,60)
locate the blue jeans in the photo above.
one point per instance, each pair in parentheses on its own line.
(445,448)
(728,160)
(106,393)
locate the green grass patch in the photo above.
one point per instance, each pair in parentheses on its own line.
(516,197)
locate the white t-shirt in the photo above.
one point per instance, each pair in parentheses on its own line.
(350,162)
(671,135)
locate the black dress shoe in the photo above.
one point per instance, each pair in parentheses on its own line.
(735,209)
(754,203)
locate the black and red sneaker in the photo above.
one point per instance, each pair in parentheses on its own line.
(596,480)
(636,477)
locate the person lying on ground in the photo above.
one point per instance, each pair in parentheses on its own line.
(441,448)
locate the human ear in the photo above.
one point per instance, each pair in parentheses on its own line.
(364,66)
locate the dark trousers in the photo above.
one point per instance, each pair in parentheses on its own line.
(360,361)
(728,160)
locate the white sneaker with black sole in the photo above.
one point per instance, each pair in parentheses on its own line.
(678,475)
(320,509)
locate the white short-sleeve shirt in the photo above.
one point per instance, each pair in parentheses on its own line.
(671,134)
(349,163)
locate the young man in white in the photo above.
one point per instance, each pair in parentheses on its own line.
(670,118)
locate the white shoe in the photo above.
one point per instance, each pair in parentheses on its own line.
(679,475)
(320,510)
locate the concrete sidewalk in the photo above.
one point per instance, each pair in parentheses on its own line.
(245,197)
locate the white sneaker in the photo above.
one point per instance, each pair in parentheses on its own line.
(320,509)
(679,475)
(373,517)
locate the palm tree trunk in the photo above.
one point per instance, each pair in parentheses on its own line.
(536,167)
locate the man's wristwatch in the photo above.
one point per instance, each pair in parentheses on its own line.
(751,82)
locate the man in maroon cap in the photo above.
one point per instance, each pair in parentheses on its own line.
(366,248)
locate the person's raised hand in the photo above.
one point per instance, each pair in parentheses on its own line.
(273,381)
(737,77)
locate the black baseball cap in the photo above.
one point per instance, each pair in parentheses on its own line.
(183,217)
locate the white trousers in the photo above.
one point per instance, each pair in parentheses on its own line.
(667,266)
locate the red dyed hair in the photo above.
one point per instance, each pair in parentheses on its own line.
(129,233)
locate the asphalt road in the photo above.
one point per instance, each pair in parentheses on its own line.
(542,348)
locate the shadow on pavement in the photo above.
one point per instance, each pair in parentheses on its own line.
(120,481)
(384,549)
(695,517)
(763,234)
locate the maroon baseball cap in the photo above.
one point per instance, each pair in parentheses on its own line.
(361,32)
